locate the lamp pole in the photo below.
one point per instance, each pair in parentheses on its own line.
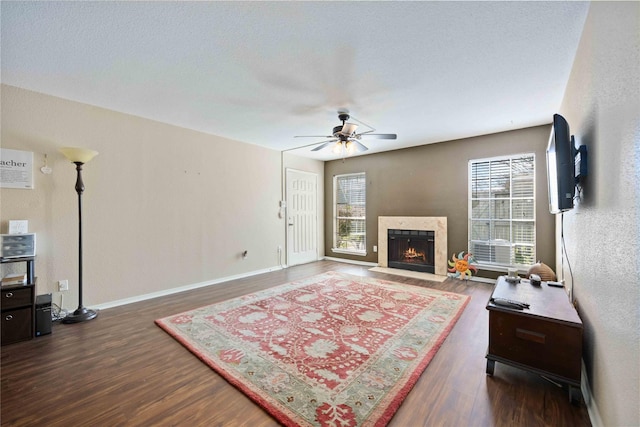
(81,314)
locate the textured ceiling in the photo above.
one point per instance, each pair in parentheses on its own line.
(262,72)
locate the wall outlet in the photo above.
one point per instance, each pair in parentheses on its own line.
(63,285)
(375,248)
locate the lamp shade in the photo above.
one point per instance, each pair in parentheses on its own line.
(76,154)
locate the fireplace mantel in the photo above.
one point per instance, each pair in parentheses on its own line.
(438,224)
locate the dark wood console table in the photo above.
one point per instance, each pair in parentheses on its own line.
(545,338)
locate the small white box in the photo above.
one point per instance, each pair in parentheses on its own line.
(17,245)
(18,226)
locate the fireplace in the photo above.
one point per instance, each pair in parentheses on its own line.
(411,250)
(438,224)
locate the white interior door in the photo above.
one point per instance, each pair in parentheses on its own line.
(302,217)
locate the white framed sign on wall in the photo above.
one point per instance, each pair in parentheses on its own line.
(16,169)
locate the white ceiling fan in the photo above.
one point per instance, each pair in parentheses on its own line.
(345,139)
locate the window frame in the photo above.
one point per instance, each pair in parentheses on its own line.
(335,248)
(492,219)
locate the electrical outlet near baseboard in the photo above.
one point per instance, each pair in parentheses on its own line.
(63,285)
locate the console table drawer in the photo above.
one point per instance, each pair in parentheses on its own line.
(19,297)
(541,344)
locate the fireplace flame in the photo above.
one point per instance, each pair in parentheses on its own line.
(412,255)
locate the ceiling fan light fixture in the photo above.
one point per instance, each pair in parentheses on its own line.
(350,148)
(337,149)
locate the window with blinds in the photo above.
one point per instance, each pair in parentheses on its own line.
(349,226)
(502,225)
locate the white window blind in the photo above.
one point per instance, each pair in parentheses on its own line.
(502,225)
(350,213)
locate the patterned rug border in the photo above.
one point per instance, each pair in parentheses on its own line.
(270,404)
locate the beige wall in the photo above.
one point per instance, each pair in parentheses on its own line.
(164,207)
(431,180)
(602,106)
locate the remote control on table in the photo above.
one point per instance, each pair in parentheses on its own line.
(556,284)
(503,302)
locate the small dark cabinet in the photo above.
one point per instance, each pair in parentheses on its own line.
(17,306)
(545,338)
(43,315)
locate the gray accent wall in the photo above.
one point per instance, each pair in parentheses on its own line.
(432,180)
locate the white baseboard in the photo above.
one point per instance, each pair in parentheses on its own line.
(482,280)
(351,261)
(592,408)
(172,291)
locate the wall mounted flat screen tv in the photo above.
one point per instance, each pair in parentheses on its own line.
(560,167)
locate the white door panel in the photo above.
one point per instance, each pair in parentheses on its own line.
(302,217)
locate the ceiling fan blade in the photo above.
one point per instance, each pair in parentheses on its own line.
(313,136)
(326,143)
(380,135)
(360,146)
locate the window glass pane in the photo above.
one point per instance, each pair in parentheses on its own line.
(343,210)
(480,209)
(500,179)
(501,230)
(480,230)
(524,255)
(502,210)
(480,180)
(523,209)
(350,209)
(522,187)
(523,232)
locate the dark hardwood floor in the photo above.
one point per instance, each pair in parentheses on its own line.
(122,370)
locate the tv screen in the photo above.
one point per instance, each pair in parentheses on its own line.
(560,167)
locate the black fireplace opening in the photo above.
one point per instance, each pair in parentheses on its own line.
(411,250)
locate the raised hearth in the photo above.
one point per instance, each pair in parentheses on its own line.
(436,224)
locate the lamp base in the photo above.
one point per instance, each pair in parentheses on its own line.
(80,315)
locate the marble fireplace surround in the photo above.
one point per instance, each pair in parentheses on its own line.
(438,224)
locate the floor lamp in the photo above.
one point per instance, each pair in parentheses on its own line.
(79,156)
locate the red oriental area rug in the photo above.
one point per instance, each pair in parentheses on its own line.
(329,350)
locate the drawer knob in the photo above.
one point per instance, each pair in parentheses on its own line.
(8,317)
(8,295)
